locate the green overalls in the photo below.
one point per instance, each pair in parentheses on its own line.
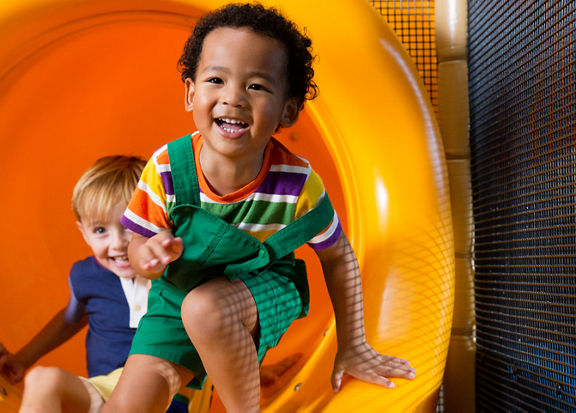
(213,248)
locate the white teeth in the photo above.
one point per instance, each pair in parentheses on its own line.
(232,121)
(222,122)
(120,259)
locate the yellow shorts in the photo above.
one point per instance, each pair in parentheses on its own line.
(100,388)
(105,384)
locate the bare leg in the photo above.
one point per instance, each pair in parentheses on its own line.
(221,319)
(50,389)
(147,384)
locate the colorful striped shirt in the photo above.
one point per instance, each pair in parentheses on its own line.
(285,189)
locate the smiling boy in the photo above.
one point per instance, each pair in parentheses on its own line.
(105,293)
(217,216)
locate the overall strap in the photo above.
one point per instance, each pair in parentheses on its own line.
(302,230)
(183,169)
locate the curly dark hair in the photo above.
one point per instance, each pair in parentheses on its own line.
(266,21)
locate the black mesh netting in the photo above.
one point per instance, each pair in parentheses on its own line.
(414,23)
(522,68)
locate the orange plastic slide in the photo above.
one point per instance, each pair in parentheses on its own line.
(80,79)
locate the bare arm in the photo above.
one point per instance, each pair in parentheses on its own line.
(150,256)
(355,356)
(56,332)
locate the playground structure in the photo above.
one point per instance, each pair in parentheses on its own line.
(82,79)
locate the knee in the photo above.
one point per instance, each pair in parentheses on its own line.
(129,403)
(205,312)
(44,378)
(122,403)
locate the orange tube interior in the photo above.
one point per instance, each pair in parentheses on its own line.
(83,79)
(68,103)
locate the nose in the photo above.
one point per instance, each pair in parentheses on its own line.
(120,239)
(233,95)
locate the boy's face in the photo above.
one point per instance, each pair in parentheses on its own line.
(109,242)
(239,94)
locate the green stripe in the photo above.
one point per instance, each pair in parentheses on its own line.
(169,208)
(253,212)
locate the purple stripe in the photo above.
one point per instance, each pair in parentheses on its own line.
(328,242)
(283,183)
(134,227)
(167,180)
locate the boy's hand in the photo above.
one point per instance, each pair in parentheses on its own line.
(164,248)
(12,367)
(355,356)
(150,256)
(365,363)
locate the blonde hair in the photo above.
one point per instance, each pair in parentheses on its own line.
(111,180)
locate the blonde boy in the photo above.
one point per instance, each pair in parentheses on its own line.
(106,294)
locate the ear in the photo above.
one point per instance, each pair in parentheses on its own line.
(290,113)
(82,230)
(189,94)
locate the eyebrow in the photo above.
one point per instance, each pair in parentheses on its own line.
(96,223)
(262,75)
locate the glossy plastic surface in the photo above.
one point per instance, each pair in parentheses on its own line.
(80,79)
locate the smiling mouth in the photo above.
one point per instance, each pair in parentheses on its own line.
(120,260)
(231,125)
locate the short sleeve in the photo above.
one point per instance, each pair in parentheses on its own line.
(75,310)
(312,193)
(146,213)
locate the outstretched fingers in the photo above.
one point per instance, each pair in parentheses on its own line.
(394,366)
(371,367)
(367,376)
(395,369)
(163,248)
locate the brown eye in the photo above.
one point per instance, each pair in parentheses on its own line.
(257,86)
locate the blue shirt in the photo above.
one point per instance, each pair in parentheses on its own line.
(98,293)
